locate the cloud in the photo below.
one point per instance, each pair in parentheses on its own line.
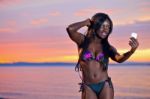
(144,6)
(7,30)
(10,1)
(55,13)
(145,9)
(41,21)
(144,3)
(9,26)
(25,14)
(11,23)
(6,3)
(89,11)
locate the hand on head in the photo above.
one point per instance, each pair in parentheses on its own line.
(88,22)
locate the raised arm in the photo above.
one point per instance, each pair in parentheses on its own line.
(73,31)
(121,58)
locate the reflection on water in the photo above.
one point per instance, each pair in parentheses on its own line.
(62,82)
(131,82)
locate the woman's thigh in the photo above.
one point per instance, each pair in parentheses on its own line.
(88,93)
(107,92)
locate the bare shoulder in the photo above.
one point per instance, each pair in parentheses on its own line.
(113,48)
(113,54)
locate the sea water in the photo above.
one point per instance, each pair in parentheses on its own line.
(61,82)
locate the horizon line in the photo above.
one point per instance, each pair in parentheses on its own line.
(70,63)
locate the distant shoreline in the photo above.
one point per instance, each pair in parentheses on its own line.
(69,64)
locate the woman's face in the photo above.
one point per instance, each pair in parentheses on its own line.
(103,31)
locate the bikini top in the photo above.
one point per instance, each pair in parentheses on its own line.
(101,58)
(88,55)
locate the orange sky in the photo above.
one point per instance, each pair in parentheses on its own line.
(36,32)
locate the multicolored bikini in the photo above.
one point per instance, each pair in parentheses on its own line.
(86,55)
(97,88)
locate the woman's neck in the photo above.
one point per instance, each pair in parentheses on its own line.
(96,39)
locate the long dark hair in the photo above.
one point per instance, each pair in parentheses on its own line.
(96,22)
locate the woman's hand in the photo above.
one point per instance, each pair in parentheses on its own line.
(133,43)
(88,22)
(73,32)
(121,58)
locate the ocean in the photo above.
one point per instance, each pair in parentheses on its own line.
(61,82)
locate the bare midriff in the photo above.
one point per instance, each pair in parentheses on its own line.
(93,72)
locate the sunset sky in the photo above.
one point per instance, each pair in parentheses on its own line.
(35,30)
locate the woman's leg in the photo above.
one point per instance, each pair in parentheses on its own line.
(88,93)
(107,92)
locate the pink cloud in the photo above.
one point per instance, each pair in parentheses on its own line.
(144,6)
(5,3)
(145,3)
(145,9)
(55,13)
(25,14)
(9,26)
(10,1)
(11,23)
(7,30)
(89,11)
(40,21)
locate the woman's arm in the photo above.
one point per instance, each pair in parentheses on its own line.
(73,31)
(121,58)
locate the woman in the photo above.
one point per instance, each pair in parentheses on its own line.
(94,52)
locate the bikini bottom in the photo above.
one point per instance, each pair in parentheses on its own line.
(97,88)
